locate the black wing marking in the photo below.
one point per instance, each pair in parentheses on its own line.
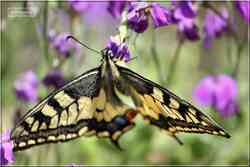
(164,109)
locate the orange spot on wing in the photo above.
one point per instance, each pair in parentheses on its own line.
(131,114)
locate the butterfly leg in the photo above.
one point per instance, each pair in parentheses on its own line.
(176,138)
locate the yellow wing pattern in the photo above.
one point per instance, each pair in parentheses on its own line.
(80,108)
(163,109)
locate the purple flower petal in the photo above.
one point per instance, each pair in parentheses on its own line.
(203,93)
(78,5)
(26,86)
(116,8)
(137,18)
(64,46)
(225,90)
(123,52)
(6,151)
(160,15)
(229,110)
(188,9)
(219,92)
(186,26)
(98,16)
(214,26)
(119,50)
(243,8)
(54,78)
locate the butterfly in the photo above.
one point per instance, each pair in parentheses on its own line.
(93,104)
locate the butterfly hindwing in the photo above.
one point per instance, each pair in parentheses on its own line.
(163,109)
(80,108)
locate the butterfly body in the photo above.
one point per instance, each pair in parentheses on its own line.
(92,104)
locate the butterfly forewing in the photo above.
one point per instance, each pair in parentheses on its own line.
(163,109)
(79,108)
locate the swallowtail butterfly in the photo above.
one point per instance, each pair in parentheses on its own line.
(91,105)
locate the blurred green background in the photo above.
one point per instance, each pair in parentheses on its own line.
(23,47)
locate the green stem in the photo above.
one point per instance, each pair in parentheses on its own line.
(156,59)
(45,33)
(229,52)
(240,48)
(240,45)
(172,67)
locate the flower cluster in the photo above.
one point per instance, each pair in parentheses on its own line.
(183,15)
(219,92)
(139,14)
(6,146)
(119,49)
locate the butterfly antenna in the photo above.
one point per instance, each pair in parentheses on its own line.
(86,46)
(133,58)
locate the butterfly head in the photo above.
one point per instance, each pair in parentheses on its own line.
(107,54)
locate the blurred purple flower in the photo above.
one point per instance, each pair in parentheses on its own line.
(160,15)
(243,8)
(78,5)
(64,46)
(99,16)
(26,86)
(54,78)
(119,50)
(219,92)
(116,8)
(186,25)
(214,26)
(6,151)
(188,9)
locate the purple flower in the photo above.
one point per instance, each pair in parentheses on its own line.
(26,86)
(64,46)
(138,17)
(219,92)
(6,150)
(139,13)
(115,8)
(214,26)
(78,5)
(119,50)
(243,8)
(54,78)
(186,26)
(160,15)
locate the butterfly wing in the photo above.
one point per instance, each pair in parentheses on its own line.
(79,108)
(163,109)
